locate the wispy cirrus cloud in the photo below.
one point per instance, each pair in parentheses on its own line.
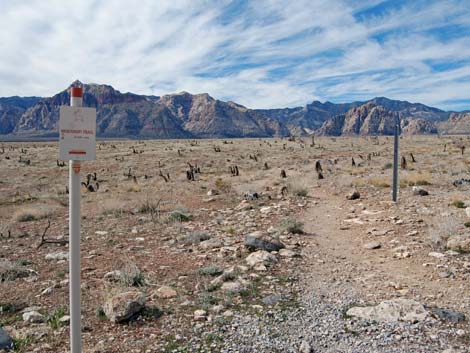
(262,54)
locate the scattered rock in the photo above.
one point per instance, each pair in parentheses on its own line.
(460,243)
(288,253)
(213,192)
(200,315)
(373,245)
(260,241)
(212,243)
(114,276)
(166,292)
(124,306)
(233,287)
(63,255)
(272,299)
(391,311)
(6,342)
(447,315)
(260,257)
(353,195)
(419,191)
(33,317)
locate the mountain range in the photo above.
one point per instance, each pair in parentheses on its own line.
(185,115)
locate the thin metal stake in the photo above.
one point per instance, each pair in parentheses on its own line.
(395,160)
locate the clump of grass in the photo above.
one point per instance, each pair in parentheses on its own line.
(211,270)
(388,165)
(458,203)
(223,185)
(10,271)
(131,275)
(379,182)
(100,314)
(180,215)
(291,225)
(416,179)
(54,318)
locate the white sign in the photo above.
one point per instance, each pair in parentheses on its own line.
(77,134)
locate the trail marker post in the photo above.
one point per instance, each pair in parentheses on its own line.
(77,142)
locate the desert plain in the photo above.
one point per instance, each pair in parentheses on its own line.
(241,245)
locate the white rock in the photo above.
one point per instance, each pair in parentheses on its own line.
(391,311)
(166,292)
(33,317)
(200,315)
(260,257)
(58,256)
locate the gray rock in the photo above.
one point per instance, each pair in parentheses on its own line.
(353,195)
(419,191)
(391,311)
(260,241)
(124,306)
(212,243)
(6,342)
(373,245)
(33,317)
(447,315)
(272,299)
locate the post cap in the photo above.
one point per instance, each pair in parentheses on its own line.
(76,92)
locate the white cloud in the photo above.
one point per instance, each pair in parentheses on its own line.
(267,53)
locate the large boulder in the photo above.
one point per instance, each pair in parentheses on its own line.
(123,306)
(260,241)
(460,243)
(391,311)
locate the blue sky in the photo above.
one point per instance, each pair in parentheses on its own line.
(262,54)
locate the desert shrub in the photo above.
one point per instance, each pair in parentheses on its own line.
(10,271)
(388,165)
(379,182)
(223,185)
(130,274)
(211,270)
(196,237)
(100,314)
(31,214)
(458,203)
(298,189)
(291,225)
(417,178)
(179,215)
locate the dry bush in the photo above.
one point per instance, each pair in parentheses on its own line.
(380,182)
(28,214)
(416,178)
(9,271)
(298,188)
(223,185)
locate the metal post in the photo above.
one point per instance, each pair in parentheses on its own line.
(74,241)
(395,159)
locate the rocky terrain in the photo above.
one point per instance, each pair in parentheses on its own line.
(185,115)
(269,245)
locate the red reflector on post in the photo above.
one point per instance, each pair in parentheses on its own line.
(76,92)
